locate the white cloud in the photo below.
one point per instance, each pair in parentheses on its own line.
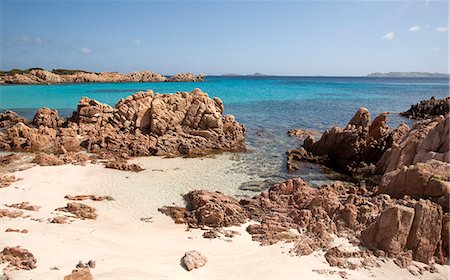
(85,50)
(136,42)
(28,40)
(441,29)
(388,36)
(435,49)
(414,28)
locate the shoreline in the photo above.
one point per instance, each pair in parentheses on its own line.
(123,246)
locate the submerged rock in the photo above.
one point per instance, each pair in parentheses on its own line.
(428,108)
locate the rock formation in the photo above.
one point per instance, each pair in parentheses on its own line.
(206,208)
(429,108)
(428,139)
(181,124)
(356,146)
(18,258)
(292,211)
(419,164)
(79,274)
(39,76)
(80,210)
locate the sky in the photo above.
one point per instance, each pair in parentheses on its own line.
(334,38)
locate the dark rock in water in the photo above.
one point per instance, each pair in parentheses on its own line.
(351,149)
(303,133)
(256,186)
(428,108)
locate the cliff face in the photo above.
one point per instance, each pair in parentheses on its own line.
(46,77)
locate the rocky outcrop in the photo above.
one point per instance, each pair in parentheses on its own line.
(193,259)
(310,218)
(356,146)
(80,210)
(18,258)
(25,206)
(48,118)
(90,196)
(9,118)
(39,76)
(429,108)
(390,231)
(124,166)
(401,228)
(186,77)
(181,124)
(79,274)
(424,179)
(428,139)
(206,208)
(419,164)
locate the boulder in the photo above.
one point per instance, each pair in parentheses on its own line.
(47,117)
(425,233)
(9,118)
(423,179)
(390,231)
(193,259)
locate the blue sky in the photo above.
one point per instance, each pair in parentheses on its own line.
(215,37)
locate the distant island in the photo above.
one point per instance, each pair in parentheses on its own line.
(408,75)
(61,76)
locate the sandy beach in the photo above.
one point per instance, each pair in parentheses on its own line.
(126,247)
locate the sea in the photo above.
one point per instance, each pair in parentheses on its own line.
(268,106)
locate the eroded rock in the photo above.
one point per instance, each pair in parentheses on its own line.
(193,259)
(18,258)
(80,210)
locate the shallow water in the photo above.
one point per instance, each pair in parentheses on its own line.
(267,106)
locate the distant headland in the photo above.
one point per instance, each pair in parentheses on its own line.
(61,76)
(408,75)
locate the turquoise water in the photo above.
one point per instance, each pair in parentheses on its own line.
(268,106)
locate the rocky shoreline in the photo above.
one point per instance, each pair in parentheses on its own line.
(40,76)
(396,208)
(144,124)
